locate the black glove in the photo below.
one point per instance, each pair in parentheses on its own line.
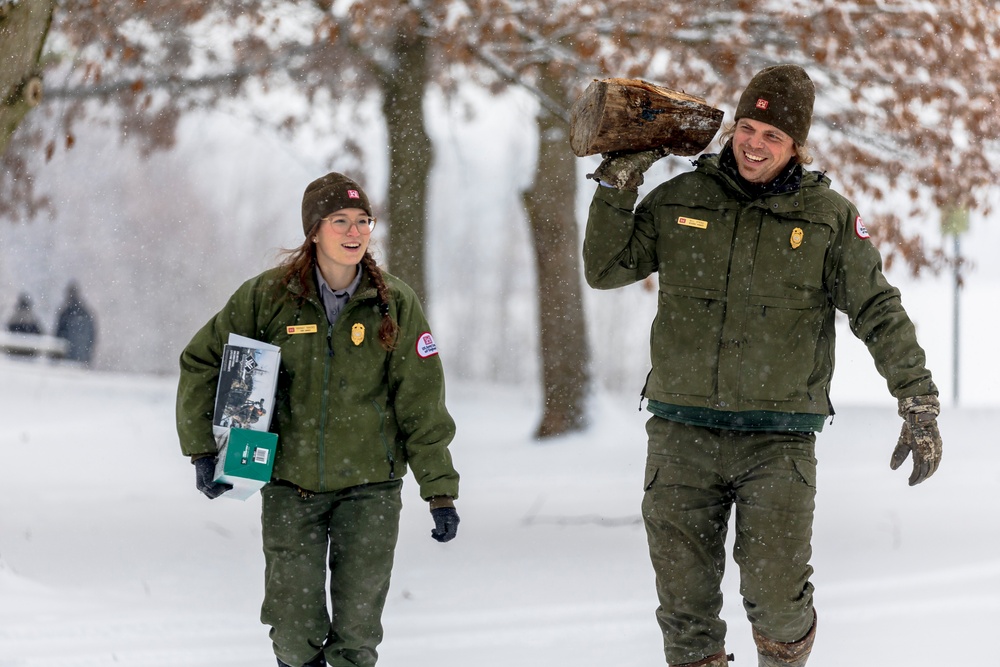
(920,436)
(624,171)
(204,473)
(445,524)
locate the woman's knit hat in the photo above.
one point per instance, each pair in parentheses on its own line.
(781,96)
(328,194)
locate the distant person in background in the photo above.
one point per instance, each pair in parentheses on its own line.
(23,320)
(76,325)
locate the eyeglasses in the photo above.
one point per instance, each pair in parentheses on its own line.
(343,225)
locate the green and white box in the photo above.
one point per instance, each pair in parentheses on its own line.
(246,459)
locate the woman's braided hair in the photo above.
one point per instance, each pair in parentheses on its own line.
(299,264)
(389,329)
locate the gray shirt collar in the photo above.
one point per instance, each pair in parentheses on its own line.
(334,301)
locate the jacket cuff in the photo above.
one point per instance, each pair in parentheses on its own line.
(437,502)
(622,199)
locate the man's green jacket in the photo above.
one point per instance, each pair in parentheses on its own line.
(748,289)
(346,413)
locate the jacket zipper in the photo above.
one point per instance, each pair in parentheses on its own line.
(645,385)
(324,406)
(730,343)
(759,212)
(385,443)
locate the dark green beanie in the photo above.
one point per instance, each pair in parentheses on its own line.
(781,96)
(328,194)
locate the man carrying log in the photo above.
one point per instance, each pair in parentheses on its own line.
(754,255)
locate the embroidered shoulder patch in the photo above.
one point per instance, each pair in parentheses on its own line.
(426,347)
(860,229)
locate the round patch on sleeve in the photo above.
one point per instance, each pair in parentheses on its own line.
(426,347)
(860,229)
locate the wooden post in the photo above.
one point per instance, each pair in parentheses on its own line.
(635,115)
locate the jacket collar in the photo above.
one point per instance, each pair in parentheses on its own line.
(792,179)
(788,180)
(366,290)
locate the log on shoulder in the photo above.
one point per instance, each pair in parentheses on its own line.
(635,115)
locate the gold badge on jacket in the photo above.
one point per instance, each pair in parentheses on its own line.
(358,333)
(797,235)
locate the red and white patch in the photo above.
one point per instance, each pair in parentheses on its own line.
(353,194)
(860,229)
(426,347)
(762,103)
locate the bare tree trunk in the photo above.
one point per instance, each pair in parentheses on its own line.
(23,28)
(403,83)
(550,204)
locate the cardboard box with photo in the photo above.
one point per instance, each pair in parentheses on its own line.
(244,405)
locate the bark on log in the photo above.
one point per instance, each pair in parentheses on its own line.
(635,115)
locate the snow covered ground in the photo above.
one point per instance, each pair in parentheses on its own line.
(109,556)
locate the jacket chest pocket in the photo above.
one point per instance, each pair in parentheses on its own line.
(788,307)
(694,246)
(790,258)
(302,344)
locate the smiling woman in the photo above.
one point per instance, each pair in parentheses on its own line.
(341,240)
(353,411)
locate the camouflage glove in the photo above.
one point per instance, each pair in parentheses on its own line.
(445,524)
(624,171)
(920,436)
(204,475)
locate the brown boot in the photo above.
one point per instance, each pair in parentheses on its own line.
(720,659)
(779,654)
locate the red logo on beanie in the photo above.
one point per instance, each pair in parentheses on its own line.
(762,103)
(353,194)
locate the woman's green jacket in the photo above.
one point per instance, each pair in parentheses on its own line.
(348,412)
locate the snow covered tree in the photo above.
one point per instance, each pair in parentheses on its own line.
(23,28)
(24,25)
(905,119)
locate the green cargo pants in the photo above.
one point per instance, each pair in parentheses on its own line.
(694,477)
(352,532)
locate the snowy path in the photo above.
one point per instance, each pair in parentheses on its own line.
(109,557)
